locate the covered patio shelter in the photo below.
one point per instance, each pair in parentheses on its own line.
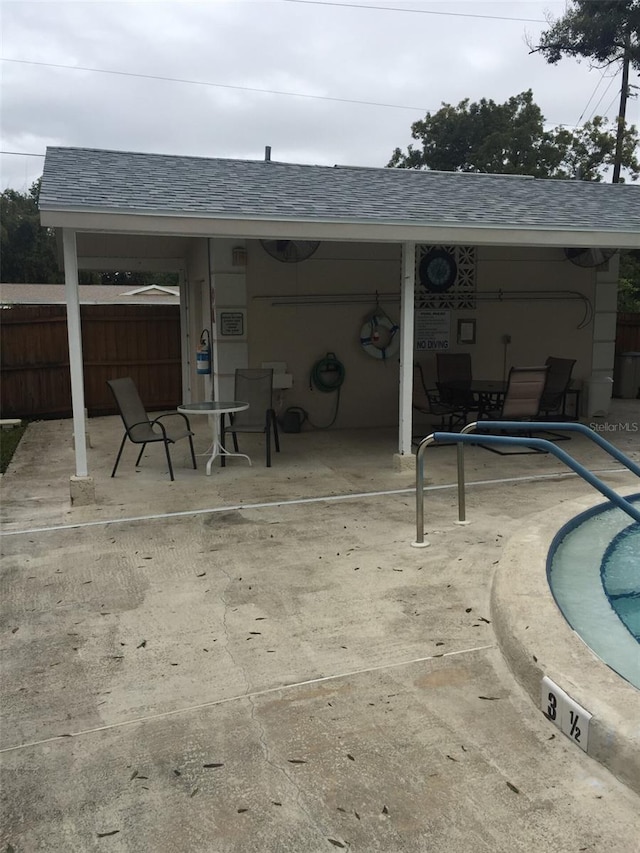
(283,263)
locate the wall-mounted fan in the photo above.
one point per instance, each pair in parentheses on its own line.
(290,251)
(589,257)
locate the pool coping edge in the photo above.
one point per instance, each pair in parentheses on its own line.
(536,641)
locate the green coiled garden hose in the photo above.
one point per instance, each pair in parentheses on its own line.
(327,375)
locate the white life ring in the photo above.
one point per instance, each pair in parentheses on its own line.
(379,336)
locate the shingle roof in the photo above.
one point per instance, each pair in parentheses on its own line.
(78,179)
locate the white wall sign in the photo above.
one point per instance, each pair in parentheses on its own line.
(567,715)
(433,330)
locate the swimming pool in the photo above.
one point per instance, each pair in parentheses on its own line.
(593,569)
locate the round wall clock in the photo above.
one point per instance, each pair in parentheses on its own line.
(437,271)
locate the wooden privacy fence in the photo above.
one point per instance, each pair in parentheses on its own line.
(628,333)
(141,341)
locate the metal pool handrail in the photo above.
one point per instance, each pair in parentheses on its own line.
(523,426)
(536,443)
(563,426)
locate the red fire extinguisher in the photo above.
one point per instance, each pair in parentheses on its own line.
(203,353)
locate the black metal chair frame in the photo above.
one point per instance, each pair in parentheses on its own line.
(235,425)
(143,431)
(555,391)
(454,380)
(434,404)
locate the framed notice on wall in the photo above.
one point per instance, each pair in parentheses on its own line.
(231,323)
(466,331)
(432,330)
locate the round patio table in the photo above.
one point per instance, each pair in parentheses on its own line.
(214,411)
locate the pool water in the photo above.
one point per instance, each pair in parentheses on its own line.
(620,574)
(594,574)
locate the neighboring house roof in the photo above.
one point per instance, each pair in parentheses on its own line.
(105,294)
(96,187)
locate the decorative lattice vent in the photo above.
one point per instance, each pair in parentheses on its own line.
(445,277)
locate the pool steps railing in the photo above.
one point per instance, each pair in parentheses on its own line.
(563,426)
(539,444)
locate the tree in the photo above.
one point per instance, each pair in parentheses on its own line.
(136,278)
(629,283)
(28,251)
(510,138)
(594,147)
(606,32)
(504,138)
(29,254)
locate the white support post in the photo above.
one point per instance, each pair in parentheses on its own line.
(72,298)
(213,387)
(407,299)
(185,336)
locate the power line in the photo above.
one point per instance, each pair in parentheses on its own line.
(592,96)
(31,154)
(613,100)
(602,96)
(226,85)
(414,11)
(22,153)
(215,85)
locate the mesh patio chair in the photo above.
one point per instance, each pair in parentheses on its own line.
(253,386)
(140,429)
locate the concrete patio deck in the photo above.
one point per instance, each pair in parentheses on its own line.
(259,661)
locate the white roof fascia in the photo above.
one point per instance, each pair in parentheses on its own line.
(351,230)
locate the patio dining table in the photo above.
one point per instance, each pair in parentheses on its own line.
(489,395)
(214,410)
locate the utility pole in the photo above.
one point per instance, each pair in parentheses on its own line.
(622,111)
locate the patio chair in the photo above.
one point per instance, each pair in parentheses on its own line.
(140,429)
(253,386)
(454,380)
(557,385)
(521,401)
(428,401)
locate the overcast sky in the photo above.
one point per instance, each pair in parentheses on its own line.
(341,84)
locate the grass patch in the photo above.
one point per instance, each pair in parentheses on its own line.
(9,440)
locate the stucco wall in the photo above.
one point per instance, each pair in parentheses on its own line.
(538,321)
(300,334)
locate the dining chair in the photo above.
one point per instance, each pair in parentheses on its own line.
(253,386)
(522,398)
(557,385)
(521,401)
(140,429)
(428,401)
(454,378)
